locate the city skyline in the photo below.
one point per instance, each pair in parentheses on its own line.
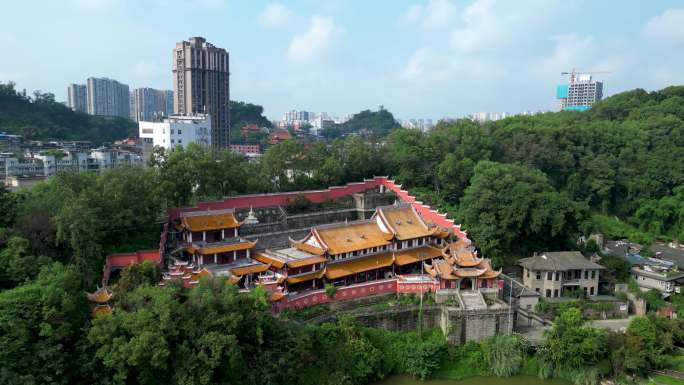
(430,59)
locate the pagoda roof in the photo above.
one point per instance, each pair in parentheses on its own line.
(457,254)
(101,296)
(205,248)
(404,222)
(276,296)
(209,220)
(101,310)
(342,269)
(342,238)
(440,268)
(304,246)
(405,257)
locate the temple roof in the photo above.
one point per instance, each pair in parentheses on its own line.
(209,220)
(101,310)
(457,254)
(249,269)
(405,257)
(404,222)
(341,269)
(440,268)
(305,276)
(347,237)
(102,295)
(220,247)
(290,257)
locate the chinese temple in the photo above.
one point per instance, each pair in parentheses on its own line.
(394,241)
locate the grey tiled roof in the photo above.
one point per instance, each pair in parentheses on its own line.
(559,261)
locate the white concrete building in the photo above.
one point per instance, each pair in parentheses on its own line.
(177,130)
(560,273)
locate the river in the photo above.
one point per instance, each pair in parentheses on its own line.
(515,380)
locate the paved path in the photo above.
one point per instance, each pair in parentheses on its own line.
(612,324)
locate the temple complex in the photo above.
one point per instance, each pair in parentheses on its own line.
(365,239)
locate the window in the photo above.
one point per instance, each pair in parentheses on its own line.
(539,275)
(548,293)
(172,131)
(555,292)
(557,276)
(537,290)
(585,290)
(179,131)
(549,275)
(591,290)
(172,141)
(586,274)
(593,274)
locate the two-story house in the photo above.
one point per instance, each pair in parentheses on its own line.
(561,273)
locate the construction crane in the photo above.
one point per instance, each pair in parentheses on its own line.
(574,73)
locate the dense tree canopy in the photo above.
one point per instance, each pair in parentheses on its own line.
(40,117)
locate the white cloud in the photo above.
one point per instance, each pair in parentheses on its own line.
(316,39)
(492,24)
(668,26)
(416,63)
(570,51)
(276,15)
(435,14)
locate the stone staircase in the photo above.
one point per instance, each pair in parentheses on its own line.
(472,300)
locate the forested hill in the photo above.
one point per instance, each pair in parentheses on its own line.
(40,117)
(523,184)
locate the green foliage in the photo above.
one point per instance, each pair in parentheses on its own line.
(8,207)
(17,265)
(505,355)
(378,123)
(570,347)
(137,274)
(330,290)
(423,359)
(40,326)
(512,209)
(40,117)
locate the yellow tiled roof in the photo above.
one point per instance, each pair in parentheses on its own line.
(306,277)
(210,222)
(342,269)
(353,236)
(405,257)
(406,223)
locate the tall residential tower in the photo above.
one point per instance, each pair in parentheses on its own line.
(108,97)
(201,85)
(148,104)
(77,95)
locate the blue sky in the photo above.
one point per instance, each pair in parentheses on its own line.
(417,58)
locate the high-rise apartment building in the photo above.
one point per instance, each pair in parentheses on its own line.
(148,104)
(77,97)
(580,93)
(108,97)
(201,85)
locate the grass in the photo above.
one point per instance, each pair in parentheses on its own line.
(667,380)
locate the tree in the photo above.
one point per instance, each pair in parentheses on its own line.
(16,265)
(40,326)
(512,209)
(8,207)
(570,347)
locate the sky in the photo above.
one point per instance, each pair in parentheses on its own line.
(418,59)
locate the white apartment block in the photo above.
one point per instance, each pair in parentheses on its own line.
(176,130)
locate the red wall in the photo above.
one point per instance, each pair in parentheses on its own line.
(318,196)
